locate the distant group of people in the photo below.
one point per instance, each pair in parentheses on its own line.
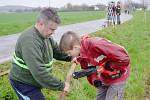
(113,13)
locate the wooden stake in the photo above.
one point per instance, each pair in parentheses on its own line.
(68,79)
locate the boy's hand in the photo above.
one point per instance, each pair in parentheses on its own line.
(97,83)
(74,60)
(108,67)
(67,87)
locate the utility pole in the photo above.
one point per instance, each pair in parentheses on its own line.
(130,5)
(49,3)
(144,9)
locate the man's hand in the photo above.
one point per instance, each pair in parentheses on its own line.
(67,87)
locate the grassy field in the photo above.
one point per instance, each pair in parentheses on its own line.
(11,23)
(134,35)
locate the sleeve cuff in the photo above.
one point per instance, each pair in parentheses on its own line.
(62,86)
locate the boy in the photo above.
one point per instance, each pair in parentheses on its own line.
(94,51)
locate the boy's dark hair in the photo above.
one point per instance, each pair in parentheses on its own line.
(68,40)
(48,14)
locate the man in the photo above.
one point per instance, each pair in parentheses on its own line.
(109,15)
(118,12)
(113,13)
(33,57)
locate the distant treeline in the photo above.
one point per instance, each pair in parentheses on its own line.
(69,7)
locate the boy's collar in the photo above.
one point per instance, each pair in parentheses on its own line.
(85,37)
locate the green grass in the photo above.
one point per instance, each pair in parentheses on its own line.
(80,89)
(134,36)
(11,23)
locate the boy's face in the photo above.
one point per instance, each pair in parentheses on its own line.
(74,52)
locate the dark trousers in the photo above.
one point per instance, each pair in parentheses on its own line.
(118,19)
(26,92)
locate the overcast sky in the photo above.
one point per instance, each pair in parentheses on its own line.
(53,3)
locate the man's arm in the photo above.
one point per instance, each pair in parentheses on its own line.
(58,54)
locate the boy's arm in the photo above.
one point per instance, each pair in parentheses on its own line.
(93,79)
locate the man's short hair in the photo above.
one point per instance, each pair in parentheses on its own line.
(48,14)
(68,40)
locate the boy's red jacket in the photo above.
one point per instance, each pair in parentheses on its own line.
(96,50)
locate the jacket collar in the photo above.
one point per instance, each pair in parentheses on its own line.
(38,33)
